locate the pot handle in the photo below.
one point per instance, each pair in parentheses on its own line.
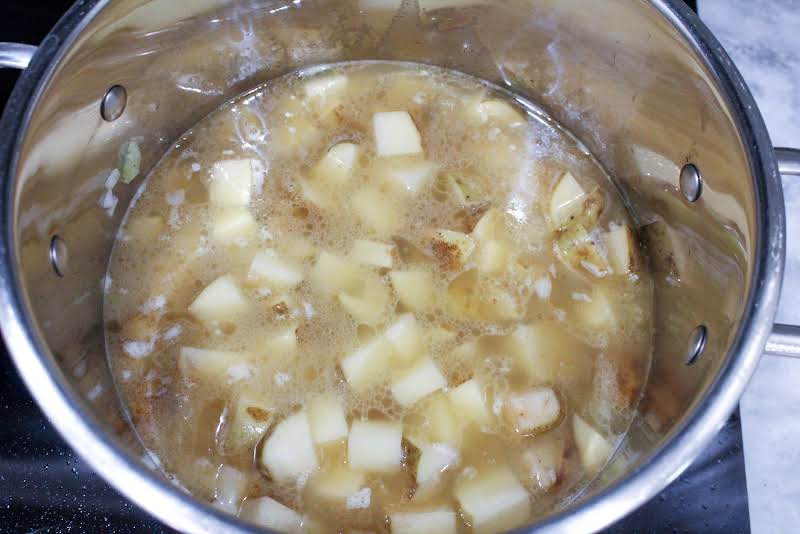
(785,339)
(16,55)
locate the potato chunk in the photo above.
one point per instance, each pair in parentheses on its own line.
(249,418)
(498,111)
(372,253)
(327,419)
(333,274)
(221,300)
(442,424)
(410,177)
(405,337)
(230,487)
(282,273)
(469,403)
(269,513)
(376,211)
(336,167)
(231,183)
(396,134)
(493,257)
(278,345)
(233,223)
(418,382)
(566,199)
(415,289)
(582,251)
(368,365)
(375,446)
(289,451)
(543,460)
(593,448)
(368,305)
(622,249)
(337,483)
(493,501)
(434,459)
(325,86)
(532,411)
(452,249)
(210,366)
(437,521)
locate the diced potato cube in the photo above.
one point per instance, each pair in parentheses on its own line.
(593,449)
(543,460)
(464,189)
(396,134)
(415,289)
(438,521)
(578,249)
(280,344)
(327,419)
(597,314)
(499,304)
(334,274)
(325,86)
(622,250)
(376,210)
(208,366)
(146,229)
(439,336)
(497,110)
(279,272)
(537,349)
(493,257)
(411,177)
(462,300)
(249,418)
(490,227)
(369,305)
(493,501)
(566,199)
(434,459)
(233,223)
(405,337)
(221,300)
(337,483)
(375,446)
(288,453)
(316,194)
(418,382)
(368,365)
(230,487)
(231,183)
(442,423)
(469,403)
(336,166)
(532,411)
(269,513)
(294,137)
(453,249)
(372,253)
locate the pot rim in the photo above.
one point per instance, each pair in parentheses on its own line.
(178,509)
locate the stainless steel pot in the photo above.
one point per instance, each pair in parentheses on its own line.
(643,83)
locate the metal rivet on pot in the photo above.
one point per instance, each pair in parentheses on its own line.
(59,255)
(114,103)
(691,182)
(697,342)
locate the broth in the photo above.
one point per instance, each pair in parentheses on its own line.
(379,296)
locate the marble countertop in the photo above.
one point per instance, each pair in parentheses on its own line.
(763,38)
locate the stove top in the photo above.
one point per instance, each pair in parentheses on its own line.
(47,488)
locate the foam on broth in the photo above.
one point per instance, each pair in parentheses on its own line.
(522,280)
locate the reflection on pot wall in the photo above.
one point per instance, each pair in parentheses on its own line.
(612,74)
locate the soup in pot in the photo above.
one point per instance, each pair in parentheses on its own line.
(379,297)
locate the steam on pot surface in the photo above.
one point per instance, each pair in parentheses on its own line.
(381,297)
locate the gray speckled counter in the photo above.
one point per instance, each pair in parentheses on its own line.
(763,38)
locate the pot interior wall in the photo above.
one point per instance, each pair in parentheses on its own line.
(615,73)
